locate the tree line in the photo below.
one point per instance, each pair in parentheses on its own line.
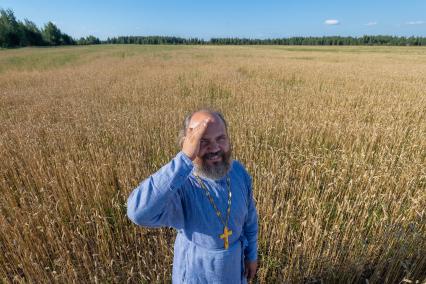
(325,40)
(15,33)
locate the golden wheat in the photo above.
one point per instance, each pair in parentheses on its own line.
(335,139)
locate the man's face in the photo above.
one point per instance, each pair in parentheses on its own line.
(214,157)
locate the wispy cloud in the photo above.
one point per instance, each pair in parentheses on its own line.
(371,24)
(415,23)
(331,22)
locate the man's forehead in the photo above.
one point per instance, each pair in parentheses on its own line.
(215,128)
(199,117)
(213,131)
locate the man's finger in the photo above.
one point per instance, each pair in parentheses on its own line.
(199,128)
(192,127)
(197,124)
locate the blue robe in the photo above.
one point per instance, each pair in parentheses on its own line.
(172,197)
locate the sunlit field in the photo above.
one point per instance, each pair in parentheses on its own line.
(334,137)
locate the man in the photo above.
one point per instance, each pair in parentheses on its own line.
(207,197)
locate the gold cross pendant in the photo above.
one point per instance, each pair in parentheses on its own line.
(225,235)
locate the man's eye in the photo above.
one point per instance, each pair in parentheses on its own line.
(204,142)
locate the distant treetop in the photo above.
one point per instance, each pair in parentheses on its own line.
(15,33)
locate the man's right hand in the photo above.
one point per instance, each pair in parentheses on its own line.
(194,133)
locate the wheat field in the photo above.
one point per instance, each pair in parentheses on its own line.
(334,137)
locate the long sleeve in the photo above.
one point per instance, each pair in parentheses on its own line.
(250,229)
(156,201)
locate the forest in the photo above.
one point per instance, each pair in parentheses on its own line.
(16,33)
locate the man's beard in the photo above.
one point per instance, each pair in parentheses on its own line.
(218,169)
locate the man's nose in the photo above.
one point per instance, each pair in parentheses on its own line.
(213,147)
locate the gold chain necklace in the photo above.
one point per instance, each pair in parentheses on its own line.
(226,232)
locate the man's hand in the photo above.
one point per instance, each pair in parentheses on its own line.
(194,133)
(250,269)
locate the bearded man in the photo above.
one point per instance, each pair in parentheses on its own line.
(207,197)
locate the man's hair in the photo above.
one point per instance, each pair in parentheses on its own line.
(182,132)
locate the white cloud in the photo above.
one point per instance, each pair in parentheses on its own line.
(371,24)
(331,22)
(415,22)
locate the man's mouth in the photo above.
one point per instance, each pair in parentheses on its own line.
(213,157)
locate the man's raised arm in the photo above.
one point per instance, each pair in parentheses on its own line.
(156,201)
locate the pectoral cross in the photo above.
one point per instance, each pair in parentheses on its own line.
(225,235)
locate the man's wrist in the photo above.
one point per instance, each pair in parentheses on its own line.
(185,158)
(251,256)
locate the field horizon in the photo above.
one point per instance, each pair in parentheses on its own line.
(334,138)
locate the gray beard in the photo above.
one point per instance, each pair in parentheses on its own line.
(214,172)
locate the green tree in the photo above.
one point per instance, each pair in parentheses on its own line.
(31,35)
(51,34)
(88,40)
(67,40)
(9,29)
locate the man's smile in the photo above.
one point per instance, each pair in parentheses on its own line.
(214,157)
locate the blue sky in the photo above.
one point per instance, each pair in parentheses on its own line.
(220,18)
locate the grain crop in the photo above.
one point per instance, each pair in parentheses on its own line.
(334,137)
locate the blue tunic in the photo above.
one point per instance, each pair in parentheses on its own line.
(172,197)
